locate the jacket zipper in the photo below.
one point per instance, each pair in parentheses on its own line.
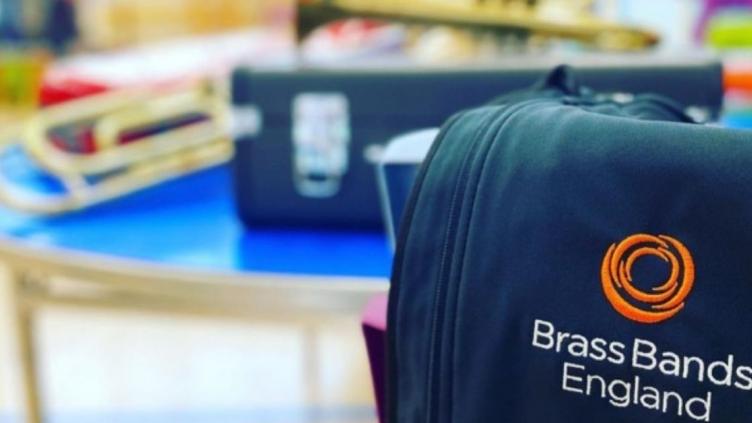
(439,300)
(403,234)
(479,149)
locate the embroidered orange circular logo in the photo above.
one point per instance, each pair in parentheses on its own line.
(661,302)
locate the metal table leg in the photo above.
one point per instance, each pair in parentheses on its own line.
(311,366)
(24,324)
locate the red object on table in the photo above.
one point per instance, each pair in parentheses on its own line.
(62,90)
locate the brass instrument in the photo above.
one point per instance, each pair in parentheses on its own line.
(552,18)
(139,139)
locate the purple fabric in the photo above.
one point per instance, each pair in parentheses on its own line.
(374,331)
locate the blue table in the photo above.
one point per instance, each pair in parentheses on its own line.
(191,222)
(180,247)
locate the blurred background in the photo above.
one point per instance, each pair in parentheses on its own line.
(197,161)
